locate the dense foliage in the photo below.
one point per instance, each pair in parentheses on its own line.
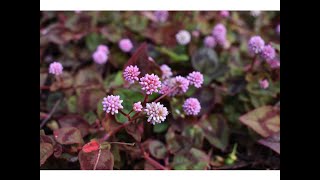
(83,61)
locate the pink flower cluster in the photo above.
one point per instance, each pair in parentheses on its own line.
(157,112)
(125,45)
(256,46)
(100,56)
(112,104)
(131,74)
(191,106)
(150,83)
(55,68)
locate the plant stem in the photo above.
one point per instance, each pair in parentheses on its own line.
(96,163)
(252,63)
(106,137)
(163,95)
(50,114)
(123,143)
(150,160)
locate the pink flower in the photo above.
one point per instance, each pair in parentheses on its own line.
(183,37)
(274,64)
(157,112)
(131,74)
(268,53)
(103,48)
(195,78)
(150,83)
(255,45)
(137,107)
(55,68)
(191,106)
(224,14)
(219,32)
(264,84)
(125,45)
(161,16)
(111,104)
(166,71)
(182,83)
(100,57)
(209,42)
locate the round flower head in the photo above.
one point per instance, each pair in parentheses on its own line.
(209,42)
(137,107)
(166,71)
(219,32)
(125,45)
(183,37)
(191,106)
(161,16)
(100,57)
(278,29)
(268,53)
(264,84)
(274,64)
(195,78)
(224,14)
(131,74)
(55,68)
(157,112)
(255,45)
(111,104)
(182,83)
(103,48)
(150,83)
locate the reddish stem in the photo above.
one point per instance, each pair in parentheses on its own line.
(105,137)
(153,162)
(252,63)
(163,95)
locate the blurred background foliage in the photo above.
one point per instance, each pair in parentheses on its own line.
(235,116)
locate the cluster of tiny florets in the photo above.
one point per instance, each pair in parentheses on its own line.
(195,78)
(191,106)
(166,71)
(150,83)
(125,45)
(182,84)
(183,37)
(55,68)
(219,32)
(157,112)
(112,104)
(100,56)
(161,16)
(256,46)
(137,107)
(268,53)
(131,74)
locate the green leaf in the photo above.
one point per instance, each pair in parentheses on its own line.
(194,159)
(173,56)
(92,41)
(90,117)
(72,104)
(159,128)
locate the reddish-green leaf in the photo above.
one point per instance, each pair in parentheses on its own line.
(46,150)
(157,149)
(264,120)
(68,135)
(141,59)
(75,121)
(273,142)
(88,160)
(216,131)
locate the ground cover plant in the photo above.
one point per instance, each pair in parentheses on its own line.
(160,90)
